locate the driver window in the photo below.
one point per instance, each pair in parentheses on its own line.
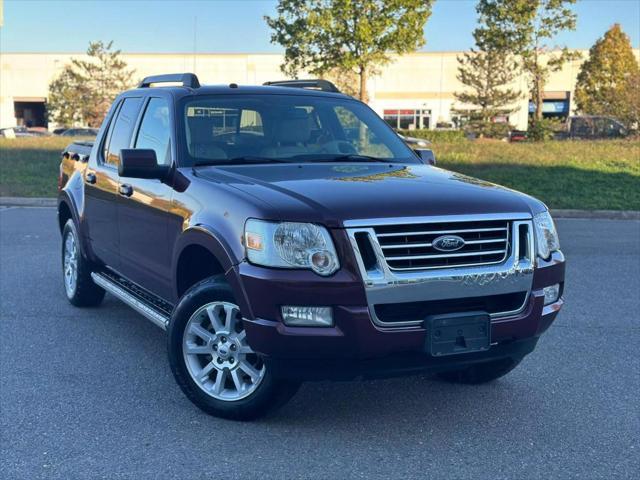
(154,132)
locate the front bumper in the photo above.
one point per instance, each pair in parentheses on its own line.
(356,346)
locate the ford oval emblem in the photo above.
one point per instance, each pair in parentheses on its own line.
(448,243)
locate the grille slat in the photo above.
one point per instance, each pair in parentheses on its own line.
(410,247)
(449,255)
(440,232)
(417,245)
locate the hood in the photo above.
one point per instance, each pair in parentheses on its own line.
(333,193)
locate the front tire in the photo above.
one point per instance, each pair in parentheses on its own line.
(76,271)
(481,372)
(212,361)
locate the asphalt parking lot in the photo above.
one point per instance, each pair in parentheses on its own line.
(89,393)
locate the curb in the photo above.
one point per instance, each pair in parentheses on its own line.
(559,213)
(597,214)
(28,202)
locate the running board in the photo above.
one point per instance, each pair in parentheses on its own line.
(120,291)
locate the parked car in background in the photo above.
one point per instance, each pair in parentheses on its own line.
(415,142)
(517,135)
(80,132)
(594,127)
(14,132)
(21,131)
(39,132)
(445,126)
(59,131)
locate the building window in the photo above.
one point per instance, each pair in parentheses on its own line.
(408,119)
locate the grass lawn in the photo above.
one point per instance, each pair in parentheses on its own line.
(583,175)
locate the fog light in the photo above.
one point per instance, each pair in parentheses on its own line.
(307,316)
(551,293)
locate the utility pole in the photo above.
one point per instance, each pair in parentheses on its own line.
(195,41)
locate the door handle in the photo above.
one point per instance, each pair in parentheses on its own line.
(90,178)
(125,189)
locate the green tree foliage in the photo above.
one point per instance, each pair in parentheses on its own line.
(343,36)
(84,90)
(63,105)
(608,80)
(486,71)
(526,27)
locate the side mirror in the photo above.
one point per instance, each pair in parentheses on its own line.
(426,155)
(141,163)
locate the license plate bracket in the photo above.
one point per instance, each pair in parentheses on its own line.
(457,333)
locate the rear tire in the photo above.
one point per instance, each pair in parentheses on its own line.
(76,271)
(211,361)
(481,372)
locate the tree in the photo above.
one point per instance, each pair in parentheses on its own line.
(85,88)
(65,105)
(526,27)
(608,80)
(487,70)
(342,36)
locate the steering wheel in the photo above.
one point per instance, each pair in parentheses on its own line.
(338,146)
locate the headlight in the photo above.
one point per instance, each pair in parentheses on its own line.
(547,240)
(290,245)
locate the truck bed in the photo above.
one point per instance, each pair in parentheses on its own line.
(82,149)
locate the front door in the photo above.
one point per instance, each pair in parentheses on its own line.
(144,206)
(102,182)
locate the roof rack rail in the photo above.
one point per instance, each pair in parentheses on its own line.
(315,84)
(187,79)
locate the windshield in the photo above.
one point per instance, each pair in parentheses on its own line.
(241,129)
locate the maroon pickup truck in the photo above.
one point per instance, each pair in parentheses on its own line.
(284,232)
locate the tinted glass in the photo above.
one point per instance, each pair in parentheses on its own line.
(251,122)
(270,128)
(107,136)
(122,129)
(154,130)
(360,136)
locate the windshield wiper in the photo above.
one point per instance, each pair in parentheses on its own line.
(353,157)
(245,160)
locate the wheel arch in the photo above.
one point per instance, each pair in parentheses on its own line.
(65,212)
(67,209)
(201,253)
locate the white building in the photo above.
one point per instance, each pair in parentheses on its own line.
(412,91)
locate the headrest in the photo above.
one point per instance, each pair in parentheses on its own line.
(294,127)
(201,128)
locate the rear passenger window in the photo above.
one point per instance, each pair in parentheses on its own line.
(122,130)
(154,130)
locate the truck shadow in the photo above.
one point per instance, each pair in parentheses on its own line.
(413,403)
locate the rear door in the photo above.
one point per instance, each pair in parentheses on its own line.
(101,183)
(144,206)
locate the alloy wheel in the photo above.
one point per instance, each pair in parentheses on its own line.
(70,264)
(217,355)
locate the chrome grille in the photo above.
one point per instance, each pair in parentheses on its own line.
(410,246)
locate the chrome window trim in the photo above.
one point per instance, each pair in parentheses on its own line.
(385,285)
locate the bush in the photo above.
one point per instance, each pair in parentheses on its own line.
(482,129)
(436,136)
(543,130)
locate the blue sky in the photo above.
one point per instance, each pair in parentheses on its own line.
(238,26)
